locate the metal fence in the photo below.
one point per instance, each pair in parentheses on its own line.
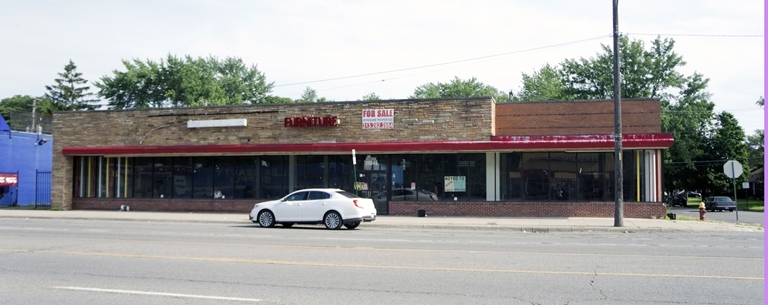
(22,121)
(43,189)
(9,195)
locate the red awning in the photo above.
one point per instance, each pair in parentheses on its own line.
(497,143)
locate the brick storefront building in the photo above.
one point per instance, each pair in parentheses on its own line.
(469,156)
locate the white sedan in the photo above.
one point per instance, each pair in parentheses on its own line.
(332,207)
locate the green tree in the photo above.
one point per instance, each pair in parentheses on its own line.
(310,96)
(542,85)
(755,145)
(371,97)
(70,92)
(184,82)
(458,88)
(727,143)
(271,99)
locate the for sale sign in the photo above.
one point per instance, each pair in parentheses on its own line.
(378,119)
(9,179)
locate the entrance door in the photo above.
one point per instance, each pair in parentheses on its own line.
(377,189)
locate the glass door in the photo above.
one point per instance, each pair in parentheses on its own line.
(374,186)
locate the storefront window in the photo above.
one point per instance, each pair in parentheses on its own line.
(511,177)
(536,177)
(340,172)
(183,175)
(274,177)
(246,172)
(310,172)
(472,166)
(162,177)
(142,180)
(202,183)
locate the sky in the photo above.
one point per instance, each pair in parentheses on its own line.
(346,49)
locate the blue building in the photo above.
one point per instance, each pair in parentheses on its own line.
(25,166)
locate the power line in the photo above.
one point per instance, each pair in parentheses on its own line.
(699,35)
(445,63)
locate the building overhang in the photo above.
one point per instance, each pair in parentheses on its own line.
(587,143)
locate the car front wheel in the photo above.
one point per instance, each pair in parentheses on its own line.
(352,225)
(332,220)
(266,219)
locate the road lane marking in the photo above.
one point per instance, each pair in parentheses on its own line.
(164,294)
(392,267)
(336,248)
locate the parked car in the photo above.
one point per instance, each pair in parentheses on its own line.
(407,195)
(680,199)
(719,203)
(331,207)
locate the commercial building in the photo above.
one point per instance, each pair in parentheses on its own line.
(25,167)
(463,156)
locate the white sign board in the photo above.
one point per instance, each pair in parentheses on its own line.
(378,119)
(733,169)
(745,185)
(455,183)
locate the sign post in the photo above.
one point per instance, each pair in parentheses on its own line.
(354,169)
(733,169)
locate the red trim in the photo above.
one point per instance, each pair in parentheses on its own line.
(572,142)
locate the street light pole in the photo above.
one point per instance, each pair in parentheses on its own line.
(619,208)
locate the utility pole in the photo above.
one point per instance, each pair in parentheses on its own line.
(618,215)
(33,128)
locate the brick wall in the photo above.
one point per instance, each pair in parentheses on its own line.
(165,205)
(396,208)
(527,209)
(576,117)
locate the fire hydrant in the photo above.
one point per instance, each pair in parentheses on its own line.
(702,211)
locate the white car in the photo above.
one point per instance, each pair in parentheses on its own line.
(329,206)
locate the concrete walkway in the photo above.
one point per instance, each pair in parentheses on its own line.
(522,224)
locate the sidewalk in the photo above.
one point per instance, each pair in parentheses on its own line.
(522,224)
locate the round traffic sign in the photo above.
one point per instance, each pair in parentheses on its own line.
(733,169)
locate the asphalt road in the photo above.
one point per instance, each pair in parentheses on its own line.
(124,262)
(744,216)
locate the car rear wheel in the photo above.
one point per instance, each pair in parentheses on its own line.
(352,225)
(332,220)
(266,219)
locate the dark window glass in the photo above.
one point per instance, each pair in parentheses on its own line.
(536,176)
(310,172)
(472,166)
(183,175)
(162,184)
(629,174)
(340,172)
(203,170)
(143,185)
(511,176)
(224,178)
(564,176)
(315,195)
(274,177)
(297,196)
(247,172)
